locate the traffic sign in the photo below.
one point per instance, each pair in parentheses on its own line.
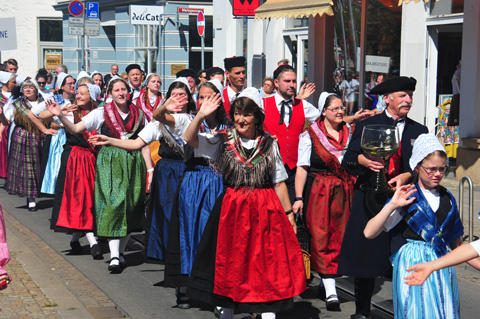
(75,26)
(92,10)
(92,27)
(75,8)
(201,23)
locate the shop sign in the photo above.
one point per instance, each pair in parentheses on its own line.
(145,14)
(245,7)
(188,10)
(378,64)
(175,68)
(52,60)
(8,34)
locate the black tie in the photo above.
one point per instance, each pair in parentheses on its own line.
(282,111)
(402,120)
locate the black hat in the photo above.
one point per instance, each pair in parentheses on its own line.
(399,83)
(213,70)
(236,61)
(280,69)
(185,73)
(131,67)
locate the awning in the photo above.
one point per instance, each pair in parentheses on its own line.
(293,9)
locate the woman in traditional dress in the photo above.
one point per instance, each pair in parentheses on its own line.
(8,83)
(53,148)
(41,79)
(73,204)
(248,258)
(324,190)
(26,145)
(432,227)
(166,173)
(120,176)
(5,279)
(199,189)
(149,100)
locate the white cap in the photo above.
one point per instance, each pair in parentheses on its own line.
(183,80)
(5,76)
(424,145)
(94,91)
(218,85)
(60,79)
(21,78)
(253,94)
(321,100)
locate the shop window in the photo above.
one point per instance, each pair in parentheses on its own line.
(146,47)
(51,30)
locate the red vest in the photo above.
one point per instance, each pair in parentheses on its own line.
(288,137)
(226,102)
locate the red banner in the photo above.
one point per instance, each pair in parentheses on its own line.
(245,7)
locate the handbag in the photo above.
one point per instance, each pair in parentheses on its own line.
(303,236)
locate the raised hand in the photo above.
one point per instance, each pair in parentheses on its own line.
(99,140)
(176,102)
(210,104)
(53,107)
(68,109)
(306,90)
(402,194)
(361,114)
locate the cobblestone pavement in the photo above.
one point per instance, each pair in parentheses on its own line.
(45,285)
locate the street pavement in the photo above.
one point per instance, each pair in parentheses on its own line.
(48,282)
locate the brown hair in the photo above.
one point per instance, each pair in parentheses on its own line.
(220,115)
(112,82)
(246,104)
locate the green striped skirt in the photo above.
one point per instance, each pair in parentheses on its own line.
(120,183)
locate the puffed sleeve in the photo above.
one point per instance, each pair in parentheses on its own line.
(94,119)
(280,174)
(151,132)
(304,149)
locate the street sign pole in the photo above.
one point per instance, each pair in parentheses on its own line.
(83,43)
(203,51)
(201,33)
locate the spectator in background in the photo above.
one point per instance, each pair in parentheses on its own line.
(124,76)
(113,70)
(41,79)
(190,75)
(268,87)
(283,62)
(11,65)
(215,73)
(201,76)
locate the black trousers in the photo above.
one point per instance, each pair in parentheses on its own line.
(363,295)
(290,182)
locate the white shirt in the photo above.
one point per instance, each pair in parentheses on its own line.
(304,149)
(476,245)
(400,125)
(311,112)
(152,132)
(209,146)
(433,199)
(231,94)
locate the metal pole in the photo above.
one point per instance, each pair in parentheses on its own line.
(345,53)
(83,40)
(159,52)
(336,47)
(470,204)
(203,51)
(363,39)
(354,37)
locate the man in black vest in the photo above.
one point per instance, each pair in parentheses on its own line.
(361,258)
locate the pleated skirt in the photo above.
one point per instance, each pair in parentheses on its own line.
(4,154)
(436,298)
(53,163)
(166,178)
(119,192)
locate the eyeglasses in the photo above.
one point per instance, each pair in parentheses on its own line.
(337,109)
(433,170)
(41,83)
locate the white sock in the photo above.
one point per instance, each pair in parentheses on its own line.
(31,202)
(91,239)
(114,245)
(268,315)
(227,313)
(330,288)
(76,236)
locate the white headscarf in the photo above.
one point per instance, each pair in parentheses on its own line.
(183,80)
(60,79)
(424,145)
(322,99)
(21,78)
(253,94)
(218,84)
(94,91)
(5,76)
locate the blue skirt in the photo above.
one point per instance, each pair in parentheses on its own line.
(53,163)
(436,298)
(164,186)
(198,193)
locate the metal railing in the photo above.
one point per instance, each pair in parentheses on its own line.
(471,217)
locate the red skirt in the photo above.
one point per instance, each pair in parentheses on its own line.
(258,258)
(327,215)
(76,211)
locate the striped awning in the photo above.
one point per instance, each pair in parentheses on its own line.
(293,9)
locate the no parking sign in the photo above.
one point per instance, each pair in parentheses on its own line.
(75,8)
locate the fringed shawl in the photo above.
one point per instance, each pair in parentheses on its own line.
(143,103)
(174,143)
(240,170)
(21,119)
(421,218)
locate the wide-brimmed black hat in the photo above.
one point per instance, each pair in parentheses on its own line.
(236,61)
(131,67)
(280,69)
(399,83)
(185,73)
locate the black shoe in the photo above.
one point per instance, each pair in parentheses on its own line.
(32,209)
(76,248)
(96,252)
(114,269)
(123,262)
(332,303)
(183,302)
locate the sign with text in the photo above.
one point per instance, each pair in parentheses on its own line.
(245,7)
(189,10)
(93,10)
(52,60)
(92,28)
(75,26)
(8,34)
(378,64)
(145,14)
(175,68)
